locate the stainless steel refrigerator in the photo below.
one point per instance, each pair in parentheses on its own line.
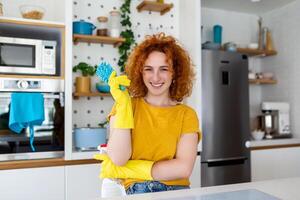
(225,118)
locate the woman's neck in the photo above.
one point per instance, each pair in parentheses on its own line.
(159,101)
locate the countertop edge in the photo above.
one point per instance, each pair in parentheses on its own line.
(52,162)
(273,144)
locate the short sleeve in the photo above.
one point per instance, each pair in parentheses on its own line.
(191,123)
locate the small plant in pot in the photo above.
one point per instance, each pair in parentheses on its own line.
(83,83)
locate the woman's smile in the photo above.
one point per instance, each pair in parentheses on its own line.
(157,74)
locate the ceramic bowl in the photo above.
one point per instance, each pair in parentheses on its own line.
(253,46)
(103,88)
(32,12)
(268,75)
(258,135)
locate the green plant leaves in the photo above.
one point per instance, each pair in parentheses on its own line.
(124,48)
(86,69)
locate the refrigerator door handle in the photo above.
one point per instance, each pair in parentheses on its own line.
(225,161)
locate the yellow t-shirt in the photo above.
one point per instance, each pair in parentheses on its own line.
(157,131)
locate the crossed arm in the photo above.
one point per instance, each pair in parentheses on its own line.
(119,150)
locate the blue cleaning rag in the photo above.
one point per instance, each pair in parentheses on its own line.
(26,110)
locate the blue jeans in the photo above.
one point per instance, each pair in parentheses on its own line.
(152,186)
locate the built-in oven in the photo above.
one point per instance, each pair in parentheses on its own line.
(27,56)
(48,137)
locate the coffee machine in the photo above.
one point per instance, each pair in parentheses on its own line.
(275,120)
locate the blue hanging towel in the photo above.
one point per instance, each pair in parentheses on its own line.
(26,110)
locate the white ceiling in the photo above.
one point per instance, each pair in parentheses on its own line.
(246,6)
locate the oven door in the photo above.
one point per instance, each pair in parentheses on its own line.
(48,137)
(20,56)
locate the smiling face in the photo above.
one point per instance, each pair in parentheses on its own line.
(157,74)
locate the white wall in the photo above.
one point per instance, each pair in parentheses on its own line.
(238,27)
(284,25)
(241,29)
(54,9)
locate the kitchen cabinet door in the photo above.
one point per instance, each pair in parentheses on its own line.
(82,182)
(195,177)
(35,184)
(275,163)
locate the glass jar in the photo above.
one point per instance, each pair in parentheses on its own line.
(114,24)
(102,31)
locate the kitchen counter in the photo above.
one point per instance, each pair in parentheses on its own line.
(287,189)
(273,143)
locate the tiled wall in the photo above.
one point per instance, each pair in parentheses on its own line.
(285,28)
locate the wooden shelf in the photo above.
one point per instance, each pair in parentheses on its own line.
(154,6)
(256,52)
(76,95)
(97,39)
(262,81)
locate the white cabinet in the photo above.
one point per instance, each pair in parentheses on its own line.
(195,177)
(34,184)
(275,163)
(82,182)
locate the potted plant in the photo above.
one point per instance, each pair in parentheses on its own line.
(83,83)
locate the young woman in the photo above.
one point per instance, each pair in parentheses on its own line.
(153,136)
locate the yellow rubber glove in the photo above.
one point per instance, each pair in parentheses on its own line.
(124,114)
(136,169)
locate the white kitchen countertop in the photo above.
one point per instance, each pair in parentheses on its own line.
(286,189)
(272,142)
(253,144)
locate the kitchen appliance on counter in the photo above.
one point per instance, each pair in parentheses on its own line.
(48,137)
(275,120)
(225,119)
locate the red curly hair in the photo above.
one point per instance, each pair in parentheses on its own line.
(178,59)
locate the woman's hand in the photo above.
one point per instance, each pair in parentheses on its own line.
(136,169)
(124,114)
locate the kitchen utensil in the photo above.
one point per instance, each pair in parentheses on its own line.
(82,27)
(89,138)
(32,11)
